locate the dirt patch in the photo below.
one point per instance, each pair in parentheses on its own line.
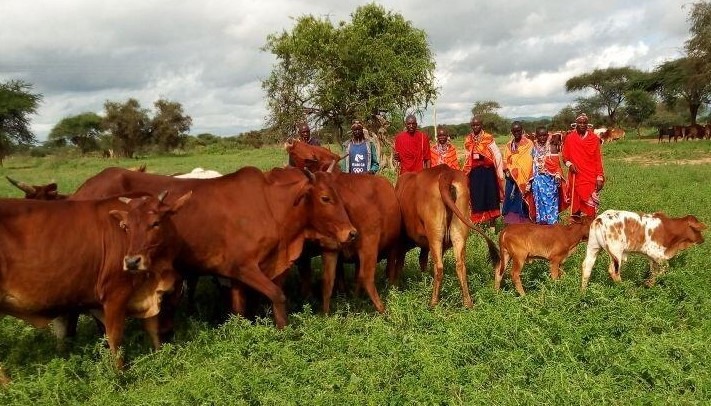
(647,161)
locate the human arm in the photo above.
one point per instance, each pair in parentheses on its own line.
(426,152)
(374,163)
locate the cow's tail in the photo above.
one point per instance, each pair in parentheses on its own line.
(445,181)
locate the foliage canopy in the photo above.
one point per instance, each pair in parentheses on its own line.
(17,103)
(331,74)
(609,85)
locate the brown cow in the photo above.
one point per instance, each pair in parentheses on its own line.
(655,235)
(38,192)
(373,209)
(521,242)
(246,226)
(49,191)
(435,208)
(83,260)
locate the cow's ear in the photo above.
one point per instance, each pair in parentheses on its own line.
(121,216)
(177,204)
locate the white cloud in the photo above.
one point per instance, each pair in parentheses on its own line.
(206,55)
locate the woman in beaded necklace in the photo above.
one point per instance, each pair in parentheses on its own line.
(547,178)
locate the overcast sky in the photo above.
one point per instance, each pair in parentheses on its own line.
(206,54)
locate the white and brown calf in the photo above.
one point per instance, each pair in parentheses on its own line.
(657,236)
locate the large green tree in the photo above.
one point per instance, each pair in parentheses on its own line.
(699,43)
(170,125)
(685,80)
(128,124)
(17,103)
(639,107)
(376,64)
(609,85)
(81,130)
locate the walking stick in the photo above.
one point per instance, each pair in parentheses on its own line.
(572,194)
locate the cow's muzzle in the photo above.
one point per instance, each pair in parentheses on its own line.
(352,235)
(134,263)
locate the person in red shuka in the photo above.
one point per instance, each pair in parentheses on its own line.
(412,148)
(582,156)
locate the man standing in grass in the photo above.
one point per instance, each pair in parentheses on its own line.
(361,155)
(412,148)
(582,156)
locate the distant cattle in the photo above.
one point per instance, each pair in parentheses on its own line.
(373,209)
(522,242)
(112,257)
(666,131)
(609,134)
(199,173)
(435,209)
(657,236)
(247,226)
(692,132)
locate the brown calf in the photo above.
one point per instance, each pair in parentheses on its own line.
(552,242)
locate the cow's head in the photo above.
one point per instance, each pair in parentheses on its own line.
(147,224)
(694,229)
(582,224)
(327,218)
(38,192)
(311,157)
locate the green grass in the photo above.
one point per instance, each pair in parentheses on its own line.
(614,344)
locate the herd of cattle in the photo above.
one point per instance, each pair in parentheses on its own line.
(130,238)
(689,132)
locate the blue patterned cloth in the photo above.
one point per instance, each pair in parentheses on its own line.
(545,190)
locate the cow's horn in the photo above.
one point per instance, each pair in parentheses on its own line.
(22,186)
(330,168)
(125,200)
(162,196)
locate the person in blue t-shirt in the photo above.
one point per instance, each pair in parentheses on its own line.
(362,157)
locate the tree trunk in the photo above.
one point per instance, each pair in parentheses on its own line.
(694,111)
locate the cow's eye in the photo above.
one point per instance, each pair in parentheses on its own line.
(155,224)
(325,199)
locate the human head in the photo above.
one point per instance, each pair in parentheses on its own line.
(304,132)
(581,123)
(442,135)
(476,124)
(357,130)
(541,135)
(517,130)
(411,124)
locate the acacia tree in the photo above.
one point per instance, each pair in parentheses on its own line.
(685,79)
(81,130)
(170,125)
(128,124)
(610,86)
(17,103)
(377,64)
(492,121)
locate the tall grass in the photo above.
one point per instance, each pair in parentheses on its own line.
(614,344)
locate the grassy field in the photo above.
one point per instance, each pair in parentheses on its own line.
(614,344)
